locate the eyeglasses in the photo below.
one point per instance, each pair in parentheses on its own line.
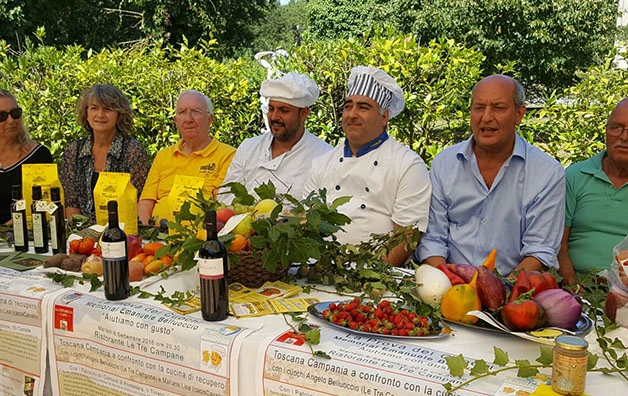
(616,130)
(15,114)
(195,113)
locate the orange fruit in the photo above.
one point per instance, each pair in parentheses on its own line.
(139,257)
(148,259)
(155,266)
(459,300)
(151,247)
(238,243)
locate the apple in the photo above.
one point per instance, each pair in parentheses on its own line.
(264,207)
(244,226)
(224,214)
(219,226)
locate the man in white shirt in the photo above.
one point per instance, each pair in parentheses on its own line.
(388,182)
(284,155)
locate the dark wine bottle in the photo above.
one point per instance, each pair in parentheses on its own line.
(115,258)
(40,221)
(18,215)
(212,270)
(57,221)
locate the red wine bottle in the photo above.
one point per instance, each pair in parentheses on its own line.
(212,270)
(57,221)
(115,259)
(40,221)
(18,215)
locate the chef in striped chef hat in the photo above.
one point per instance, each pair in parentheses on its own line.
(388,183)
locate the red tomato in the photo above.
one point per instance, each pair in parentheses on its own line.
(523,316)
(86,245)
(540,282)
(74,246)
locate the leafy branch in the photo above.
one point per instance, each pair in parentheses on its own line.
(311,336)
(68,280)
(175,299)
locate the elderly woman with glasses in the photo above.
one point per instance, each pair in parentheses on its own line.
(198,154)
(16,148)
(105,113)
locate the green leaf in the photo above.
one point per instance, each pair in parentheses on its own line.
(266,191)
(369,274)
(547,355)
(322,354)
(339,201)
(242,196)
(456,364)
(501,357)
(592,361)
(313,336)
(524,369)
(479,367)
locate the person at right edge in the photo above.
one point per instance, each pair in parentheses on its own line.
(388,183)
(495,190)
(596,215)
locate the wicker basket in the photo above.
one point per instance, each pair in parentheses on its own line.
(249,271)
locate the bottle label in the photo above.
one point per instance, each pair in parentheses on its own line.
(20,205)
(18,228)
(51,207)
(38,230)
(569,374)
(113,250)
(53,233)
(210,268)
(40,206)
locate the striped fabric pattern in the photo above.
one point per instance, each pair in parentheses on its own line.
(366,85)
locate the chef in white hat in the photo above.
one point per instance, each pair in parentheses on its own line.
(388,182)
(284,155)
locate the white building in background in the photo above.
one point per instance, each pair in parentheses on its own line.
(622,20)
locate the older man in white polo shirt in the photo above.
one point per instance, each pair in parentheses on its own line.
(388,182)
(284,155)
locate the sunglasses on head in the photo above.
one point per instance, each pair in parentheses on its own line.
(15,114)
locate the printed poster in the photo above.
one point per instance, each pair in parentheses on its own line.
(359,365)
(113,348)
(22,335)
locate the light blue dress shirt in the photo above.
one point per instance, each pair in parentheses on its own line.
(522,214)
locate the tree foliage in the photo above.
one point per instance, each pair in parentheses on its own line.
(231,22)
(48,82)
(548,40)
(91,23)
(437,78)
(328,19)
(282,26)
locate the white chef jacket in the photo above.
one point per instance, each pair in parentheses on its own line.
(388,185)
(253,164)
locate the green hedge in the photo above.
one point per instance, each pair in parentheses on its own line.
(437,78)
(48,83)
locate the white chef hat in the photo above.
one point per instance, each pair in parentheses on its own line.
(377,85)
(293,88)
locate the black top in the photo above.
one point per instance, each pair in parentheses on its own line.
(13,175)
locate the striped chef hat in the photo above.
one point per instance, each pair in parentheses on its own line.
(377,85)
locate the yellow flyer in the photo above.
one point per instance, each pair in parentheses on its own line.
(270,307)
(44,175)
(183,188)
(114,186)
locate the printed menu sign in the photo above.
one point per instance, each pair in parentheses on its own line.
(22,340)
(100,347)
(359,365)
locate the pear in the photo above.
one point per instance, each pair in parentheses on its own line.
(244,226)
